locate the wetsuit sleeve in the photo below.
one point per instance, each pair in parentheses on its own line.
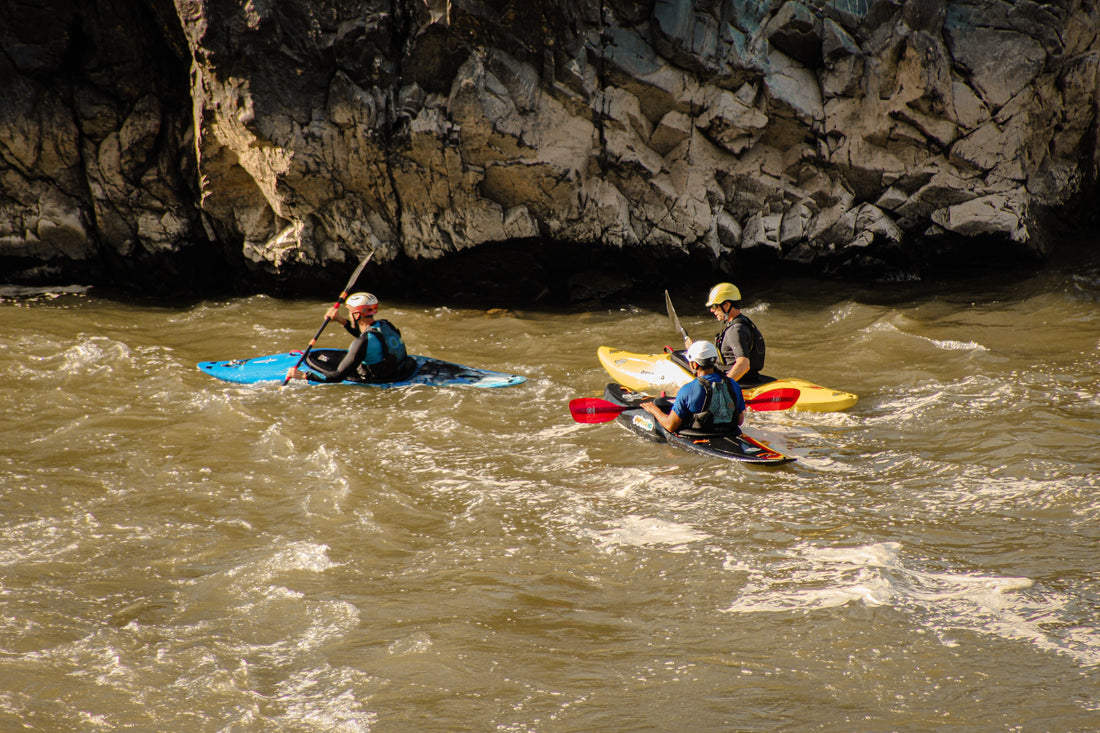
(739,345)
(348,364)
(730,343)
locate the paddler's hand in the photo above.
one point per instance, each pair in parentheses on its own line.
(334,314)
(670,421)
(687,342)
(294,373)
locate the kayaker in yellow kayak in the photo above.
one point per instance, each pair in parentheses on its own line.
(740,343)
(670,370)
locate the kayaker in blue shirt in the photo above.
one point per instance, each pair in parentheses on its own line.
(740,343)
(710,403)
(378,353)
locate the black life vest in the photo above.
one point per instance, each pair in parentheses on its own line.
(757,347)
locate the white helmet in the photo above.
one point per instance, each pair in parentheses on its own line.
(359,301)
(702,353)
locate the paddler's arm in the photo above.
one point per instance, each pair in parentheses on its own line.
(352,359)
(738,368)
(308,376)
(670,421)
(334,316)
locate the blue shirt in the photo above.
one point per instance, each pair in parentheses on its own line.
(692,396)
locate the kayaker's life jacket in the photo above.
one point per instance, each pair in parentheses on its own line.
(719,411)
(386,354)
(756,345)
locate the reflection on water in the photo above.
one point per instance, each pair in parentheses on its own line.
(185,554)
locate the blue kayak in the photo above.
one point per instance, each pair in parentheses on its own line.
(419,370)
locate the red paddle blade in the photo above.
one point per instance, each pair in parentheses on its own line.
(593,410)
(774,399)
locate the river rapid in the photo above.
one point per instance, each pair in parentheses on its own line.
(184,554)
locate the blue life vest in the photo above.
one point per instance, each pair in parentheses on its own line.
(386,352)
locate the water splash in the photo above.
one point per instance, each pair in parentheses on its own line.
(815,578)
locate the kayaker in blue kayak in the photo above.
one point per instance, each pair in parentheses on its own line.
(740,342)
(710,403)
(378,353)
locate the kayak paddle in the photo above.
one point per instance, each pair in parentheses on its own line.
(339,302)
(595,410)
(676,321)
(782,398)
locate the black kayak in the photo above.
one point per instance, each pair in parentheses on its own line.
(716,445)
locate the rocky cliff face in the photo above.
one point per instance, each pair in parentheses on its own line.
(140,138)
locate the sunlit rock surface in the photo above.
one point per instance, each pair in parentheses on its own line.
(214,139)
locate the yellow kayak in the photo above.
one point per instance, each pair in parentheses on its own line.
(648,372)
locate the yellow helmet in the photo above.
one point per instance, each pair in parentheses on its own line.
(722,292)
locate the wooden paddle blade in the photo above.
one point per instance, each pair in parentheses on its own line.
(783,398)
(594,410)
(676,321)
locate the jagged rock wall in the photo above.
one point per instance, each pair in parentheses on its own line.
(96,164)
(851,136)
